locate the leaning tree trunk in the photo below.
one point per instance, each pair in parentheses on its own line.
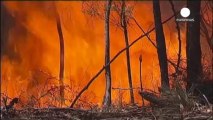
(61,72)
(193,48)
(124,26)
(161,45)
(107,96)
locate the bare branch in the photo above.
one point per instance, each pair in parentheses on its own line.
(179,37)
(173,64)
(121,51)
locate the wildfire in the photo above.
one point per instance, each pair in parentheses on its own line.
(31,65)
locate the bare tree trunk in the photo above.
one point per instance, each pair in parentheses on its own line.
(140,60)
(161,45)
(61,72)
(107,96)
(204,29)
(206,23)
(179,37)
(193,48)
(112,60)
(124,26)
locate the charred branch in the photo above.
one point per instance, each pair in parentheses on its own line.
(113,59)
(150,40)
(141,85)
(153,98)
(107,96)
(124,26)
(193,48)
(161,45)
(61,71)
(179,37)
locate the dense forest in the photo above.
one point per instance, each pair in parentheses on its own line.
(106,60)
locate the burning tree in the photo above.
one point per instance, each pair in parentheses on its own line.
(61,71)
(161,45)
(121,20)
(124,26)
(193,48)
(118,13)
(107,96)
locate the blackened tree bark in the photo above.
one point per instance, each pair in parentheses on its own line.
(61,71)
(161,45)
(112,60)
(193,48)
(124,26)
(107,96)
(179,37)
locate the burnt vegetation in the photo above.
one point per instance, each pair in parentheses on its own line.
(186,83)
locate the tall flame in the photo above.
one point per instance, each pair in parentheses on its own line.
(33,44)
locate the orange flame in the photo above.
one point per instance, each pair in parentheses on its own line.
(35,40)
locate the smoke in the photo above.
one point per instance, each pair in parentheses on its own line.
(22,49)
(30,44)
(7,23)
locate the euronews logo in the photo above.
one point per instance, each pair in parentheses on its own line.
(185,12)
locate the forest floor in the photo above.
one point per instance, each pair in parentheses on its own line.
(172,104)
(127,113)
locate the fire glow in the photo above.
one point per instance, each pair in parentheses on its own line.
(33,43)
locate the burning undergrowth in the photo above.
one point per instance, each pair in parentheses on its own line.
(31,45)
(31,57)
(173,104)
